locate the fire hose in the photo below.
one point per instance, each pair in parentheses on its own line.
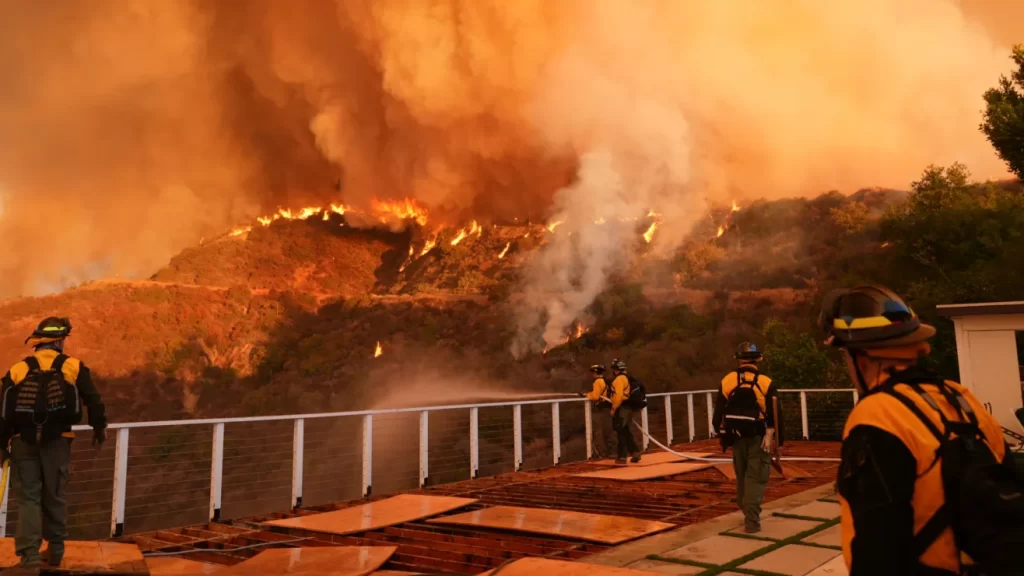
(718,460)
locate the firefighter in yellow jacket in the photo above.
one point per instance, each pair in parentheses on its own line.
(901,501)
(745,419)
(42,398)
(600,396)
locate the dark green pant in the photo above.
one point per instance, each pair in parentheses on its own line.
(623,423)
(604,435)
(753,467)
(39,478)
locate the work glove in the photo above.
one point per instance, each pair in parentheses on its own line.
(766,443)
(99,436)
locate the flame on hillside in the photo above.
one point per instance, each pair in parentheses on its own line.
(428,246)
(505,251)
(649,235)
(474,228)
(556,224)
(378,351)
(735,206)
(402,210)
(237,231)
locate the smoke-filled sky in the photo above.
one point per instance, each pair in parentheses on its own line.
(130,129)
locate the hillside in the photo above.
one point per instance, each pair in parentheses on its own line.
(286,317)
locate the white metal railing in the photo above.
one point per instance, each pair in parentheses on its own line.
(298,442)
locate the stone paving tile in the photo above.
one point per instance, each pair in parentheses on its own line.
(779,528)
(816,510)
(829,537)
(665,567)
(717,549)
(834,567)
(793,560)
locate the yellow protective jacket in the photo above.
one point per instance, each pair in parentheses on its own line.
(764,391)
(888,486)
(75,372)
(620,391)
(598,392)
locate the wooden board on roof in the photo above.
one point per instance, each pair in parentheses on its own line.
(89,557)
(536,566)
(599,528)
(175,566)
(656,458)
(315,561)
(380,514)
(636,473)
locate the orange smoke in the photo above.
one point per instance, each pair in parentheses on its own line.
(184,120)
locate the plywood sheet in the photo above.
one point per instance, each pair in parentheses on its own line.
(315,561)
(174,566)
(579,525)
(89,557)
(537,566)
(634,473)
(789,471)
(656,458)
(381,514)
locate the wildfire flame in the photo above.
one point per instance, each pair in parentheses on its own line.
(886,244)
(505,251)
(459,237)
(411,251)
(403,210)
(378,351)
(735,206)
(555,224)
(721,230)
(474,228)
(580,330)
(240,231)
(650,232)
(327,215)
(428,246)
(338,209)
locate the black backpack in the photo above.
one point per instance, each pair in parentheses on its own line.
(637,393)
(43,400)
(743,414)
(984,498)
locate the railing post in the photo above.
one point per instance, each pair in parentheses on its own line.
(517,433)
(120,482)
(856,397)
(216,471)
(474,442)
(668,420)
(803,413)
(689,417)
(298,443)
(643,423)
(367,455)
(556,434)
(711,416)
(424,436)
(588,419)
(3,504)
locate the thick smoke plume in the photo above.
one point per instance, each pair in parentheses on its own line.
(130,129)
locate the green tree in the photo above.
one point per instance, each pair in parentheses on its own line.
(1004,115)
(794,359)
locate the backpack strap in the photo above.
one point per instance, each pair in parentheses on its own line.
(58,363)
(33,363)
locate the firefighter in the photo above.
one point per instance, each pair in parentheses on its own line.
(745,419)
(622,409)
(42,398)
(600,396)
(907,445)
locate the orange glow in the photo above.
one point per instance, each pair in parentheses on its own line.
(402,210)
(505,251)
(721,230)
(428,246)
(735,206)
(338,209)
(556,224)
(411,251)
(378,351)
(459,237)
(307,212)
(649,235)
(240,231)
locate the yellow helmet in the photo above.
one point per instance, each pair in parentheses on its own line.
(870,317)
